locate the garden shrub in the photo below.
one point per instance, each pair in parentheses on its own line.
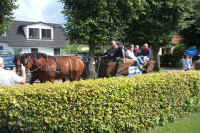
(124,104)
(174,59)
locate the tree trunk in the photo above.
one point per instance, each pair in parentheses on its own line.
(156,57)
(91,63)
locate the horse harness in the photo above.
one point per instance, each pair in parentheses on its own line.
(58,67)
(57,64)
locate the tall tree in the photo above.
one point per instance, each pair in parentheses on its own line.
(156,23)
(6,8)
(92,22)
(191,32)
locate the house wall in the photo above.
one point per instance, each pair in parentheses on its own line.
(48,51)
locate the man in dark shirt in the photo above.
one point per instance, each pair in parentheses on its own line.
(116,50)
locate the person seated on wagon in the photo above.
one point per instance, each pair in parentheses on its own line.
(116,52)
(138,60)
(136,51)
(146,52)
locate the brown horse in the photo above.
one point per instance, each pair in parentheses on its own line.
(49,68)
(111,68)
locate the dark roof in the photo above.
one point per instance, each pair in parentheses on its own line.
(16,36)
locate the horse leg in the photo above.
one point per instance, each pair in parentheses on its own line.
(33,78)
(63,79)
(75,76)
(42,81)
(110,68)
(71,76)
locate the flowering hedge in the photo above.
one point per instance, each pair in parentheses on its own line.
(124,104)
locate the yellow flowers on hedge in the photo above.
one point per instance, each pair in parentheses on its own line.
(119,104)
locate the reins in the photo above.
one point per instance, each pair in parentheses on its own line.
(47,63)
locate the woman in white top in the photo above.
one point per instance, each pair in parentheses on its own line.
(130,55)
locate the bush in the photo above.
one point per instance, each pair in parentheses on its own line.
(125,104)
(174,60)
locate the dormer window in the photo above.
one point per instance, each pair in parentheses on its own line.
(34,33)
(39,31)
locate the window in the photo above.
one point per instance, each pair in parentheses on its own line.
(34,33)
(34,50)
(56,51)
(1,47)
(46,34)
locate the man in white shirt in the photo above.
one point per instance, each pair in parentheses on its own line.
(130,55)
(9,77)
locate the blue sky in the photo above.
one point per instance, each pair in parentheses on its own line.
(39,10)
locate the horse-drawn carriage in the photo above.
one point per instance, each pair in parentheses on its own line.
(49,68)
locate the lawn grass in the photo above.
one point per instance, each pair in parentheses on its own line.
(191,124)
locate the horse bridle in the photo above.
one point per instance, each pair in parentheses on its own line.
(39,67)
(36,69)
(25,63)
(26,60)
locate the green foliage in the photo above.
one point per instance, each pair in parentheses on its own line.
(174,59)
(191,32)
(72,48)
(178,54)
(99,52)
(17,51)
(91,22)
(186,125)
(157,21)
(125,104)
(6,8)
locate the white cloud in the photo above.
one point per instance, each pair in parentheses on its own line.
(39,10)
(52,12)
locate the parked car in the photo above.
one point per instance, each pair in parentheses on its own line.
(8,58)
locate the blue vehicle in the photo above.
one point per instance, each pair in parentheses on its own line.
(8,58)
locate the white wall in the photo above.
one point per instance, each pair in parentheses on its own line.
(48,51)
